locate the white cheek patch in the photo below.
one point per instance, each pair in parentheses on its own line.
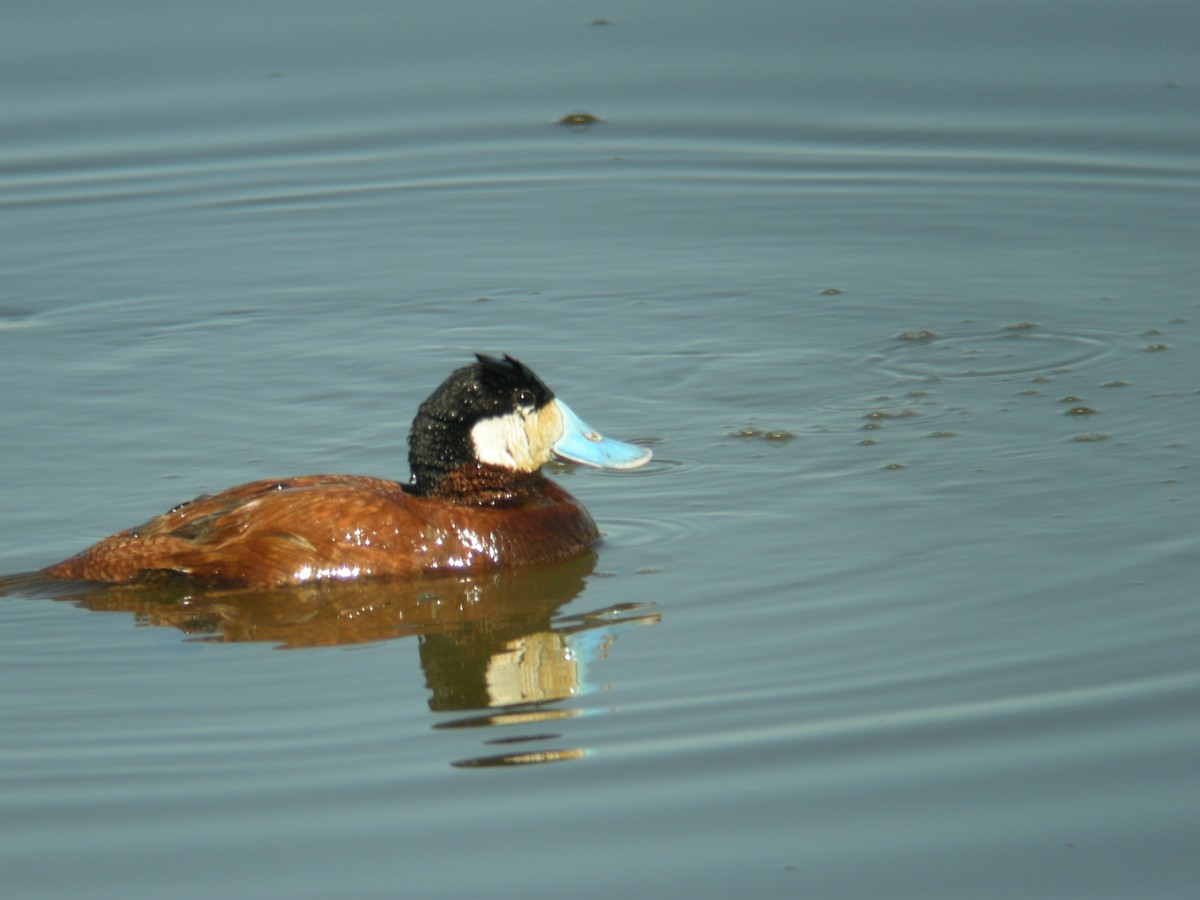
(503,441)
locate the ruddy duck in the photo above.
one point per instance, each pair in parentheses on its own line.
(476,501)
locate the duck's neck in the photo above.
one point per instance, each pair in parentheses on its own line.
(481,484)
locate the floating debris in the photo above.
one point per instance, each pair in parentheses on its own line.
(832,292)
(916,335)
(1089,438)
(749,433)
(1116,384)
(1154,348)
(1081,411)
(579,120)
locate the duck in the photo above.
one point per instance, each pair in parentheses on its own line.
(476,502)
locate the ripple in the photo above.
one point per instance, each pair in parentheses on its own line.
(510,717)
(532,757)
(11,318)
(658,467)
(1016,350)
(649,531)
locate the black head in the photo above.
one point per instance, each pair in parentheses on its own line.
(441,441)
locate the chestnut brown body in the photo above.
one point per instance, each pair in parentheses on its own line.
(274,533)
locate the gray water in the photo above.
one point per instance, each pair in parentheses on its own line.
(903,296)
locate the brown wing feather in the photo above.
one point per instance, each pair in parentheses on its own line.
(270,533)
(268,528)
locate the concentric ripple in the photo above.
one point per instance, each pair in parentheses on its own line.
(1016,350)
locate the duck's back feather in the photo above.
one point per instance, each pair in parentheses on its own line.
(315,527)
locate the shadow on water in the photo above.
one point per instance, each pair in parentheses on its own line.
(494,646)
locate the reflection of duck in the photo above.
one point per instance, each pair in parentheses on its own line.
(476,501)
(486,642)
(492,607)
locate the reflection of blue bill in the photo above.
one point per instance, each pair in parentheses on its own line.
(593,640)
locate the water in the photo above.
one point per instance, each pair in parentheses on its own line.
(902,295)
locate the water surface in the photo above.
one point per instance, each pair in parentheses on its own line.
(902,296)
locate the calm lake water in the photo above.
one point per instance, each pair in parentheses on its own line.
(903,296)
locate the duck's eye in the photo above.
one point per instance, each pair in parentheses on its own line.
(525,398)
